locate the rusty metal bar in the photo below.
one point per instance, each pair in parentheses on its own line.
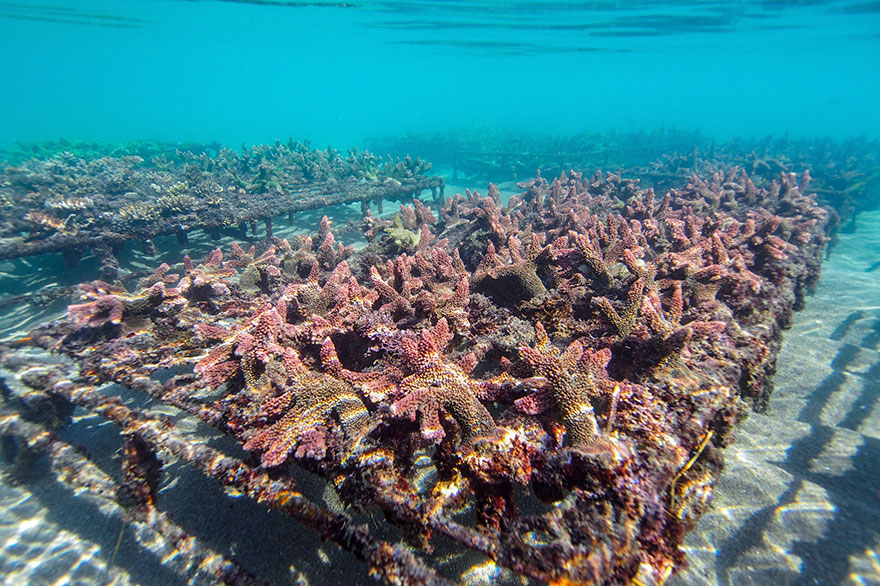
(393,563)
(155,531)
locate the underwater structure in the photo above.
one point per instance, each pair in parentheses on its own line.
(548,383)
(844,174)
(74,204)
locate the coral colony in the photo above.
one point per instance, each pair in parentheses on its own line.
(548,383)
(70,204)
(846,175)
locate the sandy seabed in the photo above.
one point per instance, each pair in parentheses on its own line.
(799,499)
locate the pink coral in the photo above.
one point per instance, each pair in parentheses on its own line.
(436,385)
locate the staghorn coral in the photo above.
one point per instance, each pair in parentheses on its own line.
(624,320)
(258,270)
(512,276)
(299,257)
(49,223)
(396,379)
(435,384)
(249,350)
(103,308)
(207,279)
(573,380)
(160,275)
(429,284)
(176,203)
(100,203)
(137,213)
(310,399)
(109,304)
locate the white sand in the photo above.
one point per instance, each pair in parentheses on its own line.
(799,501)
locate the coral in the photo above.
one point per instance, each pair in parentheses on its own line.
(49,223)
(436,385)
(624,320)
(512,276)
(102,202)
(267,179)
(109,304)
(312,398)
(160,275)
(603,245)
(206,280)
(573,380)
(375,386)
(257,269)
(425,383)
(103,308)
(397,239)
(251,351)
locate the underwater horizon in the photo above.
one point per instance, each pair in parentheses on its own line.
(338,72)
(439,292)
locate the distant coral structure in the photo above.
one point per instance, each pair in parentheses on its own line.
(75,202)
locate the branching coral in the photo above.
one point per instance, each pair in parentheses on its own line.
(624,320)
(425,382)
(250,351)
(512,276)
(311,399)
(434,385)
(206,280)
(109,304)
(257,269)
(573,381)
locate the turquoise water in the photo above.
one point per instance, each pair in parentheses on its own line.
(792,504)
(338,72)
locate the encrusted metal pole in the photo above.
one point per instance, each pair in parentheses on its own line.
(154,530)
(393,563)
